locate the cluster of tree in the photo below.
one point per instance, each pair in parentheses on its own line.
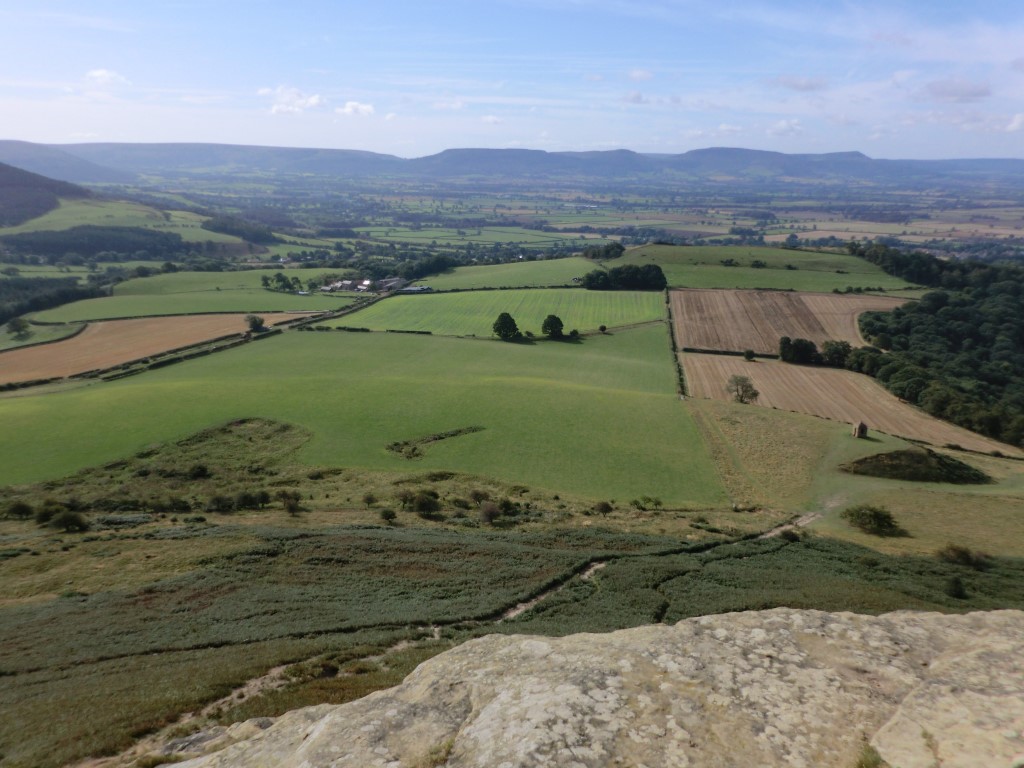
(90,240)
(629,277)
(506,329)
(433,264)
(21,295)
(805,352)
(250,231)
(609,251)
(279,281)
(956,353)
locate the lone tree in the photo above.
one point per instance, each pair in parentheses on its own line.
(505,327)
(255,323)
(18,327)
(552,327)
(742,389)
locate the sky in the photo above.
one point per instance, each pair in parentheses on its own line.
(896,79)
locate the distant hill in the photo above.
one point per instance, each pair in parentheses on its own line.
(106,162)
(54,162)
(25,195)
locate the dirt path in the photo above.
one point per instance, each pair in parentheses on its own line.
(800,522)
(523,607)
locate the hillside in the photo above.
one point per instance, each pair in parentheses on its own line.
(25,195)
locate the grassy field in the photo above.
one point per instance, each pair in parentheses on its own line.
(36,334)
(701,267)
(196,292)
(547,410)
(473,313)
(526,274)
(483,236)
(107,213)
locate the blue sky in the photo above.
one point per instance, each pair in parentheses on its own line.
(895,79)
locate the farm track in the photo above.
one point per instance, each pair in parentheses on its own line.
(831,394)
(734,320)
(108,343)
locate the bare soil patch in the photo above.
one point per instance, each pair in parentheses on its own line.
(733,320)
(832,394)
(112,342)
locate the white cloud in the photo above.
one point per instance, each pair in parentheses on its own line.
(356,108)
(105,78)
(391,116)
(957,90)
(450,104)
(636,98)
(802,84)
(491,119)
(786,128)
(640,74)
(290,101)
(1016,124)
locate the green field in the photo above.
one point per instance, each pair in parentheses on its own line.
(106,213)
(548,410)
(36,334)
(193,292)
(473,313)
(701,267)
(527,274)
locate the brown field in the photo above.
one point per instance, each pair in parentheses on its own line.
(112,342)
(740,320)
(830,393)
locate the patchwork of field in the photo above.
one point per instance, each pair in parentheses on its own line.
(473,313)
(830,393)
(553,407)
(183,293)
(106,344)
(739,320)
(526,274)
(781,268)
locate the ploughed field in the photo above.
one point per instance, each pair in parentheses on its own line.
(830,393)
(739,320)
(110,343)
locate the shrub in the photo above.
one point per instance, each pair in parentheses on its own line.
(955,588)
(958,555)
(874,520)
(748,355)
(70,522)
(198,472)
(479,496)
(489,512)
(20,510)
(369,499)
(602,507)
(388,516)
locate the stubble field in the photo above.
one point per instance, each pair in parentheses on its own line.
(831,394)
(106,344)
(735,321)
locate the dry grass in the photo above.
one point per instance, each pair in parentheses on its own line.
(112,342)
(935,518)
(831,393)
(740,320)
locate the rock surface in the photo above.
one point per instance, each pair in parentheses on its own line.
(802,689)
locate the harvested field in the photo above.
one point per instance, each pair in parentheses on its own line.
(112,342)
(832,394)
(739,320)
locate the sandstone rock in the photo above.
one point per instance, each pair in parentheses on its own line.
(802,689)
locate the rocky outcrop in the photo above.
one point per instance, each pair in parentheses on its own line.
(802,689)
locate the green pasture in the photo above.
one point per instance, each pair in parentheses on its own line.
(35,335)
(473,313)
(106,213)
(701,267)
(515,275)
(600,418)
(194,292)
